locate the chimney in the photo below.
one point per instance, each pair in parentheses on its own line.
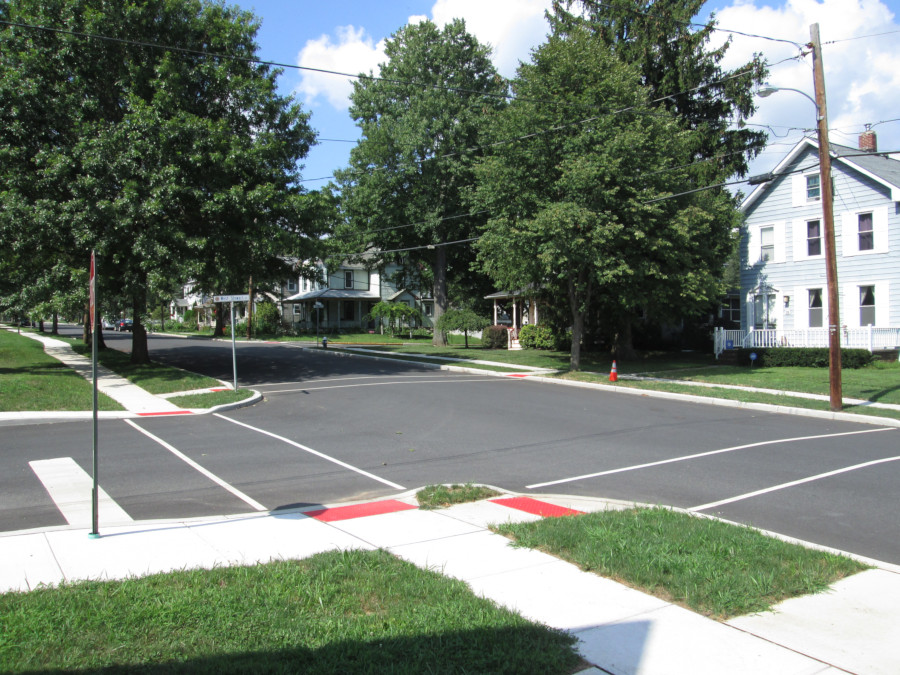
(867,140)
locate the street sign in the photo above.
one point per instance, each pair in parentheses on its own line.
(232,298)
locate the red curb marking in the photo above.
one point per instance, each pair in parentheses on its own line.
(173,412)
(536,507)
(517,375)
(359,510)
(222,389)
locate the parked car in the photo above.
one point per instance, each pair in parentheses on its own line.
(124,324)
(108,324)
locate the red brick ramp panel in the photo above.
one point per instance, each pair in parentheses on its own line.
(359,510)
(537,507)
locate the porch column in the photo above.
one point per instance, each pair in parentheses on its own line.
(514,312)
(495,311)
(535,313)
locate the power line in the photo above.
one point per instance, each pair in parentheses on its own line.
(861,37)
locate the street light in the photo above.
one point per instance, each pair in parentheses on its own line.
(834,334)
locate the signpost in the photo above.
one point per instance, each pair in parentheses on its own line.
(233,299)
(95,491)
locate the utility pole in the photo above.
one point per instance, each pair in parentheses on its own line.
(834,314)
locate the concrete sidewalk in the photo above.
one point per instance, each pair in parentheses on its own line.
(136,401)
(854,627)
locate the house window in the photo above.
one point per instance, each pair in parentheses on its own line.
(767,243)
(813,238)
(297,307)
(866,233)
(429,308)
(348,310)
(764,311)
(813,191)
(731,310)
(348,279)
(866,305)
(815,308)
(292,285)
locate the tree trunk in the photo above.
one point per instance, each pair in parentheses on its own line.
(623,346)
(250,311)
(55,329)
(162,317)
(579,301)
(140,352)
(219,329)
(440,294)
(86,323)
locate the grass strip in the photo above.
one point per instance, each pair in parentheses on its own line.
(211,399)
(336,612)
(715,568)
(731,394)
(439,496)
(387,354)
(31,380)
(152,377)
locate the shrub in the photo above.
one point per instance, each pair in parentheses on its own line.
(809,357)
(537,337)
(495,337)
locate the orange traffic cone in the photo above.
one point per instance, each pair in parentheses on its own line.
(614,374)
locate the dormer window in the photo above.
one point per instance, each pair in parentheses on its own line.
(348,279)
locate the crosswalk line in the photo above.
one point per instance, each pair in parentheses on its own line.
(70,487)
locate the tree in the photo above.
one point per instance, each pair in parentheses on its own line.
(167,163)
(461,319)
(394,312)
(571,207)
(684,76)
(409,174)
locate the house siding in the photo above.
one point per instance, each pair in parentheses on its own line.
(792,272)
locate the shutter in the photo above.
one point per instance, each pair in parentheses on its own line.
(849,234)
(880,228)
(850,305)
(882,303)
(798,230)
(800,307)
(753,243)
(779,242)
(798,190)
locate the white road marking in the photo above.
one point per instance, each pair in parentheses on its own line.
(313,452)
(685,458)
(793,483)
(206,472)
(71,489)
(382,384)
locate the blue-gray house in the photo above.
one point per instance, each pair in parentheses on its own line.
(784,295)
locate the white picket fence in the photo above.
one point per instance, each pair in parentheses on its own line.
(868,337)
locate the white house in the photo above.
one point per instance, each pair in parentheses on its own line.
(345,296)
(784,292)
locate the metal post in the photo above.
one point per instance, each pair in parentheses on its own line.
(834,314)
(95,490)
(233,349)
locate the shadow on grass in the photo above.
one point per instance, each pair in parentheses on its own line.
(519,650)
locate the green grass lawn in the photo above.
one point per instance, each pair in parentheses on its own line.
(438,496)
(337,612)
(211,399)
(715,568)
(30,380)
(152,377)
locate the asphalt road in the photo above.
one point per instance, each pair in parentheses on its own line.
(337,428)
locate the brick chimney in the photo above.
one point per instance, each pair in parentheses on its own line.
(867,140)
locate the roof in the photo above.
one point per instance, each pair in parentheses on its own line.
(333,294)
(881,169)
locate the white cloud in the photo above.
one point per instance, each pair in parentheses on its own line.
(862,76)
(354,51)
(511,27)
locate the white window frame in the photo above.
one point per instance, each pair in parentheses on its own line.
(348,278)
(292,285)
(849,221)
(754,243)
(850,302)
(800,189)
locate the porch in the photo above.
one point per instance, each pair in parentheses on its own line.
(870,338)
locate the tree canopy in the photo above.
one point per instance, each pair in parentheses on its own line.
(408,176)
(170,163)
(571,203)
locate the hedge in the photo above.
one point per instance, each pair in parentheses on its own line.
(495,337)
(810,357)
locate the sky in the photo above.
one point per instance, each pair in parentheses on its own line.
(860,52)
